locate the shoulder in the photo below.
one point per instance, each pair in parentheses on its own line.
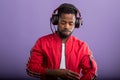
(78,41)
(43,40)
(45,37)
(80,44)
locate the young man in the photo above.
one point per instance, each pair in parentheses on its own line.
(61,56)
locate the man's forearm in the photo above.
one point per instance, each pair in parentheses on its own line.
(62,73)
(51,72)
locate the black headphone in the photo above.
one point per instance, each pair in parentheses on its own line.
(54,19)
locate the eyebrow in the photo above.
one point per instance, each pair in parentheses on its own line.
(62,20)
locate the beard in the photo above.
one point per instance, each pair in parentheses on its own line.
(64,33)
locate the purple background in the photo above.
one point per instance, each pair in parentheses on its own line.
(22,22)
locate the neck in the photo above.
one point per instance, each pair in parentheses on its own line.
(64,40)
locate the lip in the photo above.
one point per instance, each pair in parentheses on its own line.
(66,31)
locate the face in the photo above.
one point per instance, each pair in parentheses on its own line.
(66,25)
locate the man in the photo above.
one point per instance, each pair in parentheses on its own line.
(61,56)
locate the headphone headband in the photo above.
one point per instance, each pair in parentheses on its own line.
(54,19)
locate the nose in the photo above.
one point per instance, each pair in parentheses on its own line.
(66,25)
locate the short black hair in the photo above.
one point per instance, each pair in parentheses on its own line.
(67,8)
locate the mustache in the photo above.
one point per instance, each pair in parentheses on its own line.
(66,30)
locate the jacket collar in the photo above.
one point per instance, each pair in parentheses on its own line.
(68,44)
(57,37)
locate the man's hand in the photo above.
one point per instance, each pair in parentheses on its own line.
(64,74)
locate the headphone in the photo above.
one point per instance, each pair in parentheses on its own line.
(54,19)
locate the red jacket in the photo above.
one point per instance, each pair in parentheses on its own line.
(46,53)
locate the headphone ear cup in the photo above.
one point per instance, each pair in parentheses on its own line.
(77,23)
(54,19)
(81,22)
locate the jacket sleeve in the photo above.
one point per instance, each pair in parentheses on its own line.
(88,64)
(34,64)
